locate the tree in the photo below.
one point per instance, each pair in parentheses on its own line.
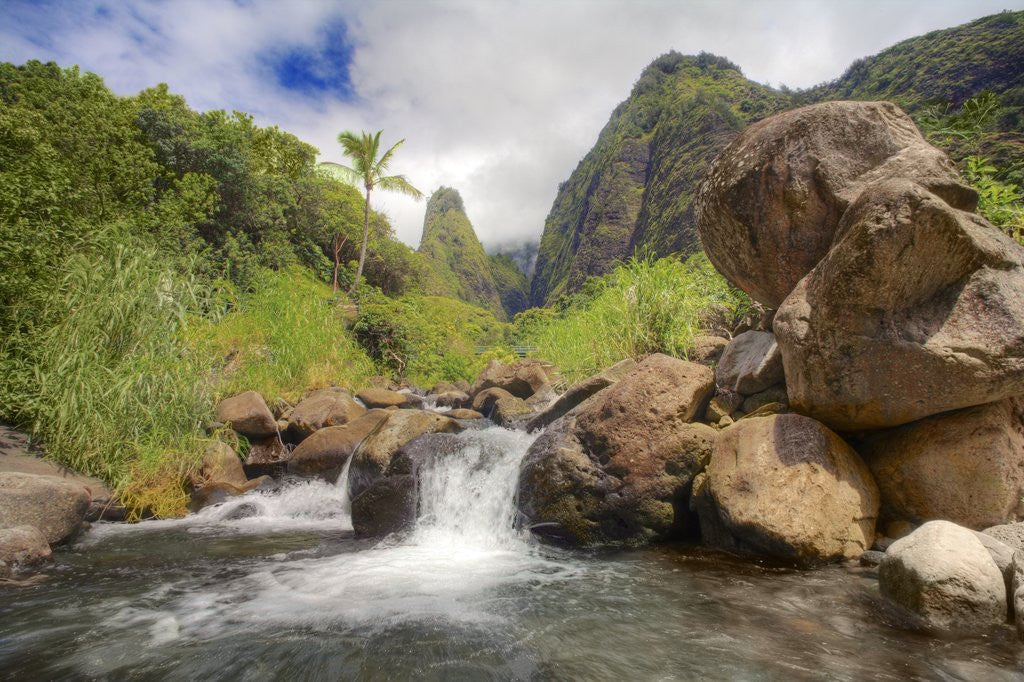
(369,170)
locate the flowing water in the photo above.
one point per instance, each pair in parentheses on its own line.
(275,586)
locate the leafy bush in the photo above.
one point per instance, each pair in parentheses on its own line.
(645,306)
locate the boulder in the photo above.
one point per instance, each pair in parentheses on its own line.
(267,457)
(965,466)
(371,459)
(943,574)
(769,205)
(1010,534)
(616,469)
(707,349)
(222,465)
(21,546)
(775,394)
(1002,555)
(750,364)
(509,411)
(522,378)
(483,401)
(917,309)
(787,487)
(247,414)
(327,407)
(580,392)
(379,397)
(542,397)
(465,414)
(55,506)
(1016,594)
(325,452)
(454,399)
(217,492)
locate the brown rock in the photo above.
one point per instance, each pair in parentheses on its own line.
(465,414)
(247,414)
(787,487)
(965,466)
(707,349)
(775,394)
(484,401)
(222,465)
(454,398)
(379,397)
(751,363)
(21,546)
(55,506)
(510,410)
(580,392)
(917,309)
(217,492)
(522,378)
(325,452)
(769,206)
(326,407)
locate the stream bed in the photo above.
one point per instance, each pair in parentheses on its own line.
(275,586)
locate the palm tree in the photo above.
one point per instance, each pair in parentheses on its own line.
(368,170)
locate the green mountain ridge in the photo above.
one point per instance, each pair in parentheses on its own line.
(633,192)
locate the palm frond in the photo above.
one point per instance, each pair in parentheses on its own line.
(382,165)
(336,171)
(398,183)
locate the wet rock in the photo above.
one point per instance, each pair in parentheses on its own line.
(248,415)
(55,506)
(21,547)
(943,574)
(483,402)
(918,309)
(378,397)
(267,457)
(325,452)
(965,466)
(871,558)
(769,206)
(510,411)
(616,469)
(218,492)
(522,378)
(787,487)
(454,399)
(751,363)
(707,350)
(580,392)
(326,407)
(222,465)
(372,458)
(465,414)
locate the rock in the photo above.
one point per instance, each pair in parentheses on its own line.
(326,407)
(371,460)
(917,309)
(248,415)
(542,397)
(21,546)
(465,414)
(965,466)
(267,457)
(1002,555)
(222,465)
(325,452)
(510,410)
(769,205)
(787,487)
(750,364)
(281,408)
(454,398)
(1011,534)
(764,411)
(775,394)
(707,349)
(725,421)
(871,558)
(483,402)
(55,506)
(580,392)
(379,397)
(218,492)
(944,575)
(616,470)
(522,378)
(442,387)
(383,382)
(463,385)
(1016,594)
(723,405)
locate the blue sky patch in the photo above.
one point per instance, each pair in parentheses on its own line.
(317,70)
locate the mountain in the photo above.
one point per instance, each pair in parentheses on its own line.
(633,192)
(458,265)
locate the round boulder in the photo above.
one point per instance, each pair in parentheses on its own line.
(325,452)
(327,407)
(55,506)
(21,546)
(383,398)
(247,413)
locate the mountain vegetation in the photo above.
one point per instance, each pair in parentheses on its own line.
(633,192)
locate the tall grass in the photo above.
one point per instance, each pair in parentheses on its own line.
(644,306)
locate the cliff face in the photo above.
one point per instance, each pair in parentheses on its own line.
(633,192)
(460,268)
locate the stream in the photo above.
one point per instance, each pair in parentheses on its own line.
(274,585)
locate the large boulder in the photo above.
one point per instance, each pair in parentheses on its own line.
(750,364)
(917,309)
(371,459)
(1011,534)
(483,401)
(383,398)
(616,470)
(522,378)
(707,349)
(247,413)
(222,465)
(943,574)
(510,411)
(327,407)
(55,506)
(768,208)
(965,466)
(455,399)
(325,452)
(787,487)
(577,393)
(21,546)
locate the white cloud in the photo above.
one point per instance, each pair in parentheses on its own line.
(497,99)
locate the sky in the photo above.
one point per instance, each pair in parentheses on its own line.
(500,100)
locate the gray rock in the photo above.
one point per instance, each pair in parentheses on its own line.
(1011,534)
(21,546)
(775,394)
(55,506)
(750,364)
(944,575)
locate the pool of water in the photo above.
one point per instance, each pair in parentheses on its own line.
(275,586)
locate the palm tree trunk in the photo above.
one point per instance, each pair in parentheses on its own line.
(366,237)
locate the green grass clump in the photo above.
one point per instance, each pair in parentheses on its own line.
(285,336)
(644,306)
